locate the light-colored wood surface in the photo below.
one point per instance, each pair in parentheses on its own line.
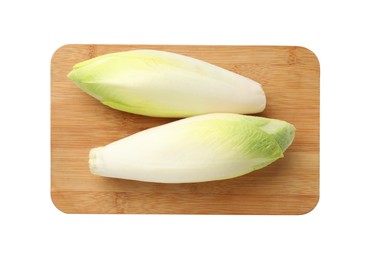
(290,78)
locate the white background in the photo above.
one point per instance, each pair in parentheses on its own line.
(341,34)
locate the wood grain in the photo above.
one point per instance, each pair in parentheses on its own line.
(290,78)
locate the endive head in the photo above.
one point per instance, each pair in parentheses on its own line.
(165,84)
(201,148)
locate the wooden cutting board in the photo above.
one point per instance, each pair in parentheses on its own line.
(290,78)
